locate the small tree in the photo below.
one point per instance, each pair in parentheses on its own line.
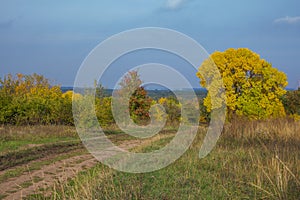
(139,102)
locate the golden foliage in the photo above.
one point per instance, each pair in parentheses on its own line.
(253,87)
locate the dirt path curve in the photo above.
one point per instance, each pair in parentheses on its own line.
(33,182)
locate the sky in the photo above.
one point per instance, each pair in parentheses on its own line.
(54,37)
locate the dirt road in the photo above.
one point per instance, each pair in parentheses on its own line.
(43,179)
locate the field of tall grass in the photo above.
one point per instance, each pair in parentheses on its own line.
(252,160)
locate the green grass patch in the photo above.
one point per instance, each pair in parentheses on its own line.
(37,179)
(2,196)
(13,145)
(153,146)
(26,184)
(14,138)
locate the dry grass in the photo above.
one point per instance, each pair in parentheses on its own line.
(284,129)
(274,177)
(273,146)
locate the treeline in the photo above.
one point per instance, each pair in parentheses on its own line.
(32,100)
(155,94)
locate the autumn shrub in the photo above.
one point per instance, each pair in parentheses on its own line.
(291,102)
(30,99)
(172,108)
(104,112)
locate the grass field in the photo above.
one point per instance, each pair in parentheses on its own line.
(252,160)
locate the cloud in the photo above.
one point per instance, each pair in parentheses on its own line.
(174,4)
(288,20)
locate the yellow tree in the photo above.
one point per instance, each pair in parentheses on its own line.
(252,86)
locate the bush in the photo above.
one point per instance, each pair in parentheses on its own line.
(30,100)
(291,102)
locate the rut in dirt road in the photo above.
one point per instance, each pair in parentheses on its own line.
(46,177)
